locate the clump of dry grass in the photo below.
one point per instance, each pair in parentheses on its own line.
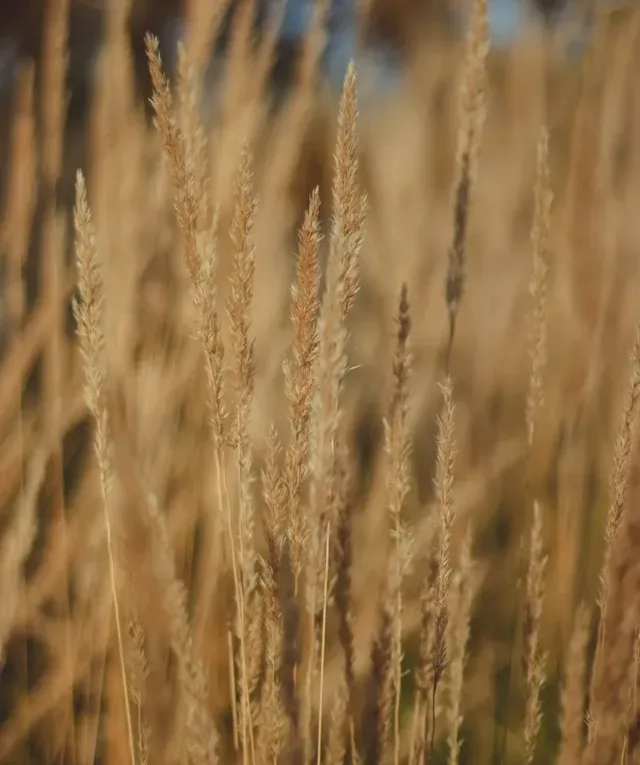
(288,543)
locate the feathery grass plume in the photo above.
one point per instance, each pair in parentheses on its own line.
(186,204)
(464,587)
(574,688)
(194,139)
(349,203)
(300,384)
(210,335)
(274,492)
(383,711)
(398,452)
(89,316)
(186,161)
(445,463)
(618,492)
(185,146)
(340,291)
(538,285)
(537,332)
(300,388)
(239,310)
(472,117)
(137,674)
(533,657)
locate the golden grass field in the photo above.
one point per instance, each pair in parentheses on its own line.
(319,427)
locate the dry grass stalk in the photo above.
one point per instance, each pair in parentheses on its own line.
(340,291)
(189,212)
(472,117)
(386,675)
(89,315)
(312,47)
(274,491)
(16,547)
(614,575)
(299,377)
(203,23)
(631,748)
(277,715)
(465,584)
(618,492)
(53,121)
(343,595)
(323,642)
(271,720)
(538,286)
(614,661)
(53,110)
(533,657)
(435,633)
(445,463)
(137,674)
(398,452)
(239,309)
(622,454)
(300,389)
(20,196)
(422,720)
(574,692)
